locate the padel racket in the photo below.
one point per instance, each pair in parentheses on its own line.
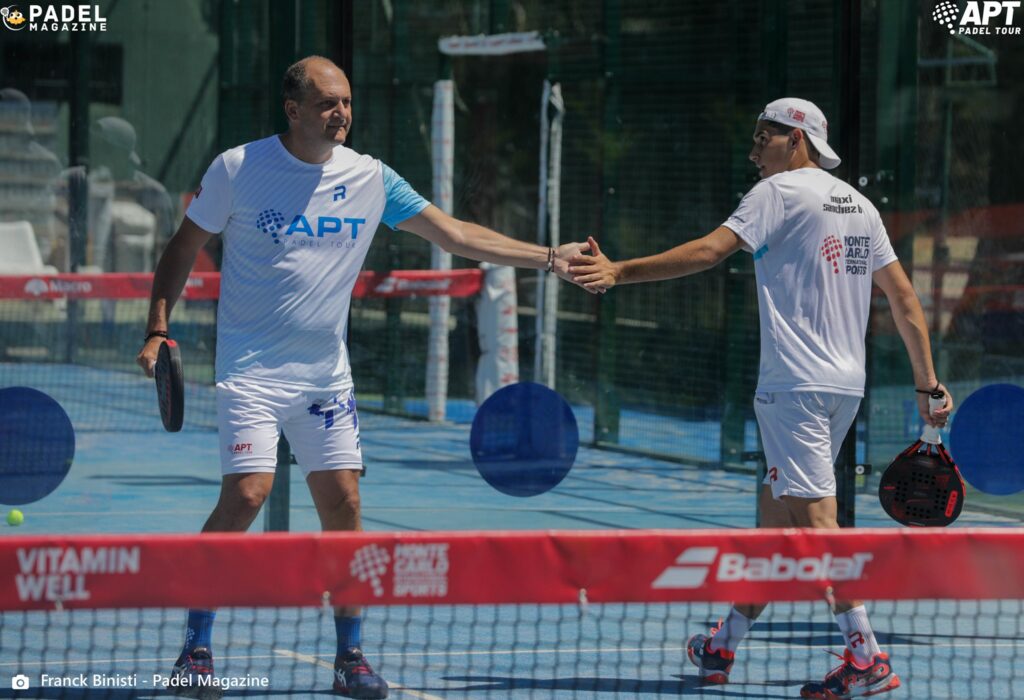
(923,487)
(170,386)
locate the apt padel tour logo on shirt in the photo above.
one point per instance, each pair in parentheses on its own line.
(418,570)
(313,232)
(53,18)
(979,18)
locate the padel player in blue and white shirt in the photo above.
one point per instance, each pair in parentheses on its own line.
(297,213)
(818,245)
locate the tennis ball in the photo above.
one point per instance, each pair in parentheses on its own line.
(15,518)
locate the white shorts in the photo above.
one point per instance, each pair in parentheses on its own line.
(802,432)
(322,427)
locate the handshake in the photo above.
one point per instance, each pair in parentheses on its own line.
(585,265)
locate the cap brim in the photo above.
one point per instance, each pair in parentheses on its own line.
(828,159)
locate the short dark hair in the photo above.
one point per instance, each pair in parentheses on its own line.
(296,80)
(786,129)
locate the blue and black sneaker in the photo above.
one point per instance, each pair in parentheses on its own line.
(354,678)
(849,680)
(192,676)
(712,666)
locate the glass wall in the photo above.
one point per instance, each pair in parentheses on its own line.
(103,135)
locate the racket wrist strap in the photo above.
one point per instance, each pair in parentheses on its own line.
(156,334)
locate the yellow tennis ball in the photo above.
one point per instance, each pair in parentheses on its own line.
(15,518)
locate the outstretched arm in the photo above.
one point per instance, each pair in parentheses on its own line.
(169,279)
(477,242)
(597,273)
(910,321)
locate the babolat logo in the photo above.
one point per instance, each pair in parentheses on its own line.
(37,287)
(985,18)
(335,231)
(391,285)
(694,564)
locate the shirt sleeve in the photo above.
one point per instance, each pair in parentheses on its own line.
(882,253)
(403,202)
(211,205)
(760,214)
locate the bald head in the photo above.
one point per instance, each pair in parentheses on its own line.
(301,76)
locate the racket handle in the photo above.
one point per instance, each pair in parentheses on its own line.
(936,400)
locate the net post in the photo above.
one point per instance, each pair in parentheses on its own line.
(607,400)
(279,501)
(443,155)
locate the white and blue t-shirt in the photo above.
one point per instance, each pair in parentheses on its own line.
(295,237)
(816,243)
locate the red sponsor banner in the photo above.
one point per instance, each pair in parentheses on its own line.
(206,285)
(101,571)
(418,283)
(111,285)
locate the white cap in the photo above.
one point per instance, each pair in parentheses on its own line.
(805,115)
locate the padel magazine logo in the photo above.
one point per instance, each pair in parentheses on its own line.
(53,18)
(975,18)
(418,570)
(692,568)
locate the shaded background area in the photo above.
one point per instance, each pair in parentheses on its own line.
(113,130)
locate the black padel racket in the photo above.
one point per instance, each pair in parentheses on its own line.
(923,487)
(170,386)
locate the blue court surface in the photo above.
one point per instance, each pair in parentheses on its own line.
(420,477)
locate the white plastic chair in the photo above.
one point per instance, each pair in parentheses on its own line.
(19,251)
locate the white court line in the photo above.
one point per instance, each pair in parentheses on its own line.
(776,646)
(320,662)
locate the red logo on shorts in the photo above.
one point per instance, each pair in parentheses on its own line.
(241,448)
(773,474)
(832,250)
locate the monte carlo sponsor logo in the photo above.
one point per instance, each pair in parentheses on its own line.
(419,570)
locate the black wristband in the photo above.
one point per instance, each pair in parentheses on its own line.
(930,391)
(156,334)
(551,260)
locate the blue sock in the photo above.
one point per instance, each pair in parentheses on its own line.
(200,629)
(349,631)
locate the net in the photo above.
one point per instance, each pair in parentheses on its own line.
(512,615)
(75,337)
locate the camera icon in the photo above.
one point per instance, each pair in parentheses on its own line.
(19,682)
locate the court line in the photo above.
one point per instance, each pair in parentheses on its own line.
(973,644)
(320,662)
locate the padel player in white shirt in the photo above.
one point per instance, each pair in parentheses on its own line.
(297,213)
(818,245)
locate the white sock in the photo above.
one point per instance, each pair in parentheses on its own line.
(857,634)
(732,631)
